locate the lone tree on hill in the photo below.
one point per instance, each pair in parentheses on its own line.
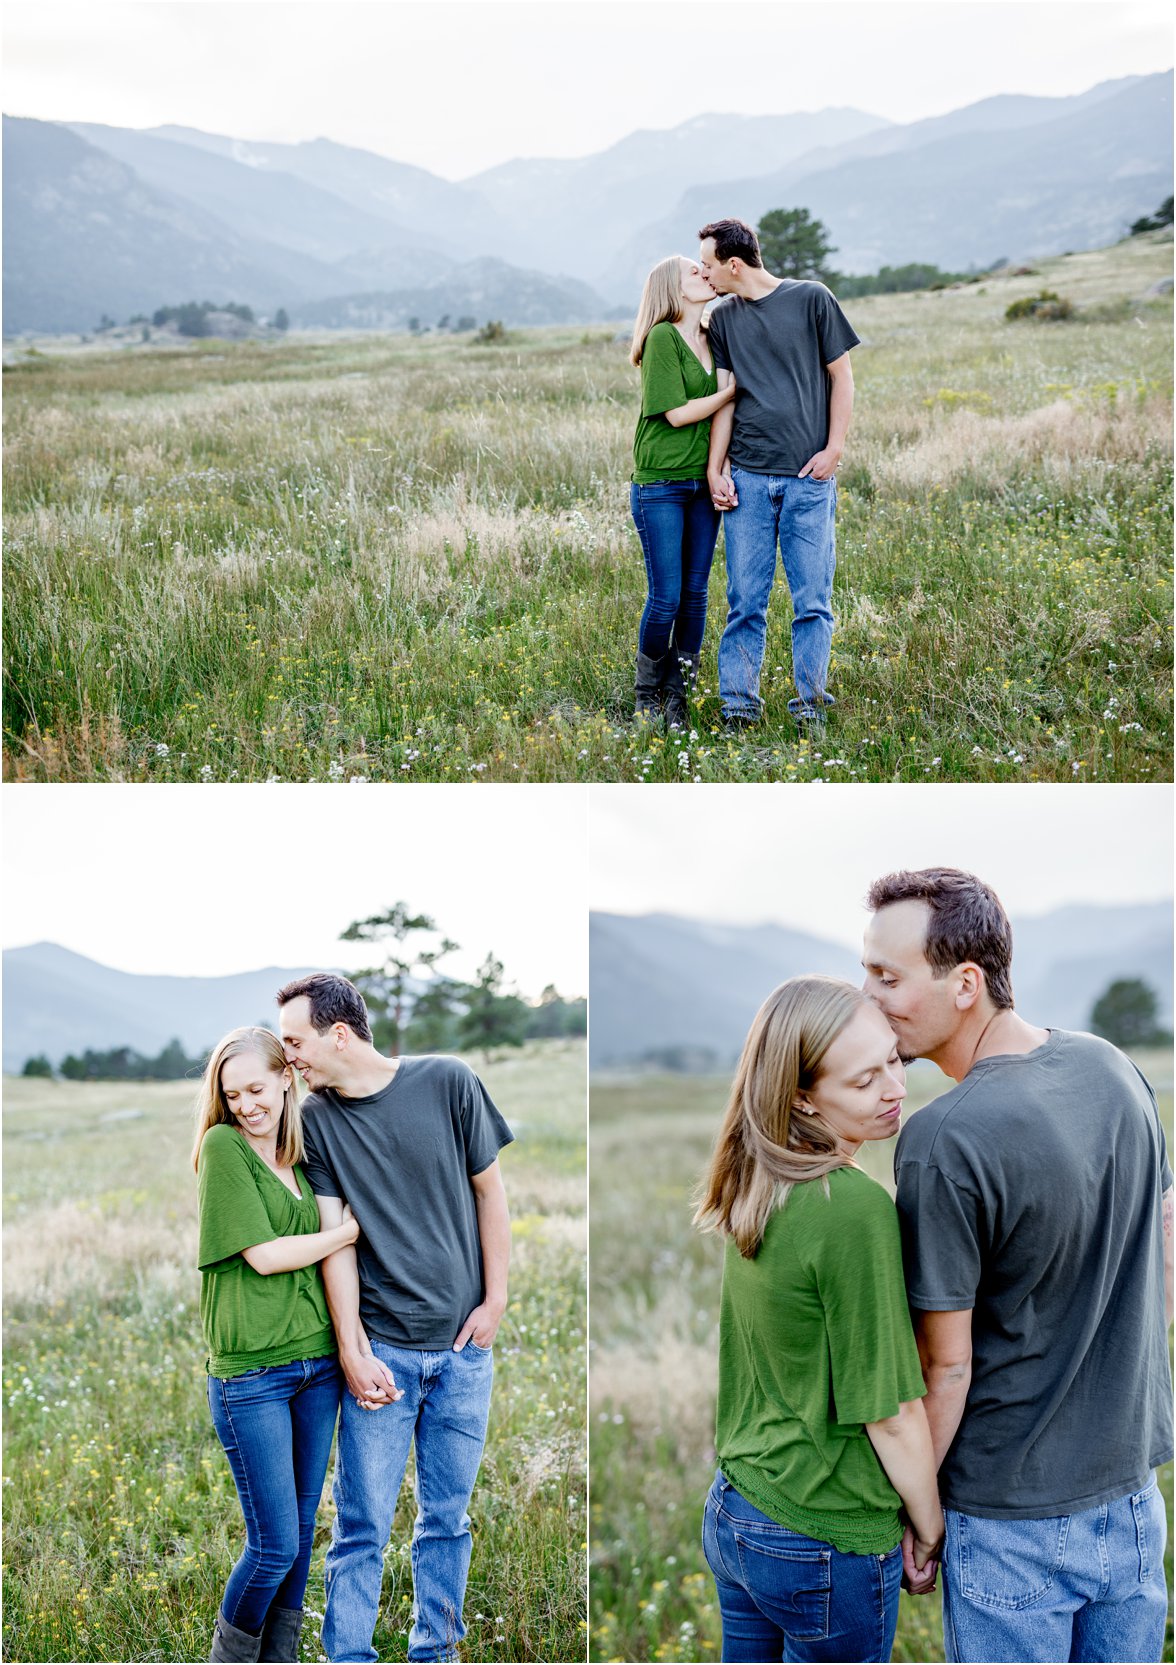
(387,988)
(1125,1014)
(794,245)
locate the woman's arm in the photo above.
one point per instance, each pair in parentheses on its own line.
(288,1254)
(903,1444)
(697,410)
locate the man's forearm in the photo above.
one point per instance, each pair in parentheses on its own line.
(341,1280)
(494,1237)
(947,1394)
(720,439)
(840,411)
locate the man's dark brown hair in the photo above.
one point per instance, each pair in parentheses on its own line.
(733,237)
(332,1000)
(966,922)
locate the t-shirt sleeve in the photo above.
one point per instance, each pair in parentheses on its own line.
(316,1165)
(941,1238)
(873,1358)
(716,334)
(834,331)
(663,384)
(483,1126)
(233,1215)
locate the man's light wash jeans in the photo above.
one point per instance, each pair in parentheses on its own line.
(444,1410)
(1087,1586)
(800,516)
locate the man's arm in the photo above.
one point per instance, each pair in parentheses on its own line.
(944,1340)
(1167,1205)
(369,1379)
(824,464)
(494,1236)
(718,473)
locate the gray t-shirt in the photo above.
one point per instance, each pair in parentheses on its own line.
(403,1159)
(1031,1193)
(778,348)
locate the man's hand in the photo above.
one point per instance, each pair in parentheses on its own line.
(370,1380)
(722,488)
(823,466)
(920,1563)
(480,1327)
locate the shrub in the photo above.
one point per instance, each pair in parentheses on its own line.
(1041,308)
(493,331)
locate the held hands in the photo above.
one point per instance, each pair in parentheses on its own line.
(481,1326)
(722,488)
(920,1562)
(370,1380)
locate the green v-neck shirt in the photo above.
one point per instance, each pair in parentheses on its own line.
(251,1320)
(671,375)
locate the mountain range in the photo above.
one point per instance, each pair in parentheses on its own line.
(101,219)
(57,1002)
(664,985)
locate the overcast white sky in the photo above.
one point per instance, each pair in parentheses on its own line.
(204,880)
(456,87)
(805,857)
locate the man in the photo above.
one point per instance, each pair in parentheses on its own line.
(1036,1208)
(772,463)
(411,1145)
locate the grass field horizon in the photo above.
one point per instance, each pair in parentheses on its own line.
(654,1303)
(121,1521)
(398,558)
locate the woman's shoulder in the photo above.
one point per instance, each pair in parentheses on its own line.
(222,1143)
(664,336)
(859,1196)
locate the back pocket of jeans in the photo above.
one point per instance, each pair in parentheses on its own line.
(790,1585)
(1010,1564)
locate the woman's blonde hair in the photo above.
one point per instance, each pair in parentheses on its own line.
(767,1142)
(212,1109)
(661,302)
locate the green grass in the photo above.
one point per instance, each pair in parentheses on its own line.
(121,1521)
(397,559)
(654,1347)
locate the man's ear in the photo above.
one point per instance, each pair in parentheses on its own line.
(970,985)
(341,1033)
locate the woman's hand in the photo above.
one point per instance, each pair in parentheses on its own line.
(728,393)
(920,1562)
(350,1225)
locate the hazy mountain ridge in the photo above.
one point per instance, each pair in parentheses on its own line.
(663,984)
(57,1002)
(131,220)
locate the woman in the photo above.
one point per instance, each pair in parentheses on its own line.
(273,1378)
(671,502)
(821,1435)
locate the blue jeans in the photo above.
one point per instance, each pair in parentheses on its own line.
(276,1425)
(799,515)
(443,1413)
(678,526)
(785,1596)
(1088,1586)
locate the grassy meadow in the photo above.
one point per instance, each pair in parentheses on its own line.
(654,1297)
(121,1521)
(399,558)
